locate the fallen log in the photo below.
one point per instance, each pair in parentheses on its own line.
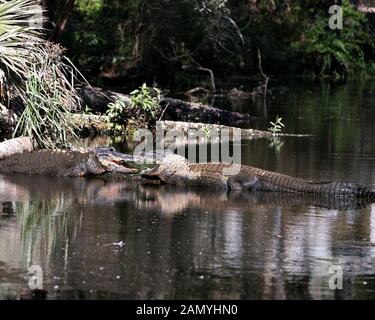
(90,124)
(187,133)
(173,109)
(178,110)
(15,146)
(246,134)
(98,99)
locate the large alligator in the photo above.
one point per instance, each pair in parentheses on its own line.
(177,170)
(67,163)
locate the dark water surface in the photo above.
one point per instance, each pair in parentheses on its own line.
(96,238)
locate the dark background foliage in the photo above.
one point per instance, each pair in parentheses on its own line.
(117,41)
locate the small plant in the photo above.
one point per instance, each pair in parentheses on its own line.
(88,110)
(45,118)
(147,100)
(207,132)
(277,126)
(141,111)
(116,115)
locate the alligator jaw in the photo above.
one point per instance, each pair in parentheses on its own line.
(151,174)
(119,168)
(114,161)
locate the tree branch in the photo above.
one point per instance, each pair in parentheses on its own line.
(61,24)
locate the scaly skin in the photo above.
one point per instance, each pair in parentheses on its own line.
(177,170)
(64,163)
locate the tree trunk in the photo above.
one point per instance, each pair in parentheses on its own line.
(61,24)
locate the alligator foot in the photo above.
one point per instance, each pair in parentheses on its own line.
(241,182)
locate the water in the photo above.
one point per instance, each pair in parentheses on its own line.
(100,238)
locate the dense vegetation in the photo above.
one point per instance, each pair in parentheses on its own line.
(170,41)
(170,44)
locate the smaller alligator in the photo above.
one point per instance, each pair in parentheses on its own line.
(176,170)
(67,163)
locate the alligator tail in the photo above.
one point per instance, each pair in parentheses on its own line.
(277,182)
(343,189)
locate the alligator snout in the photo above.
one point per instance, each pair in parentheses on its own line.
(114,161)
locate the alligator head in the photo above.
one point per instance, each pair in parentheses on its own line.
(113,161)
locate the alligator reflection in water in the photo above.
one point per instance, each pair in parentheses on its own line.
(172,200)
(177,243)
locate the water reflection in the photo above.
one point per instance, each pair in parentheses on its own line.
(109,238)
(177,243)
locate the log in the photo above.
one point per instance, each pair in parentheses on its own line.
(90,125)
(213,133)
(173,109)
(15,146)
(185,127)
(178,110)
(98,99)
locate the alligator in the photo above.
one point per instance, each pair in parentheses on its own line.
(68,163)
(177,170)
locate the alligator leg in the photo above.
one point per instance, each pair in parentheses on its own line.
(151,173)
(243,182)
